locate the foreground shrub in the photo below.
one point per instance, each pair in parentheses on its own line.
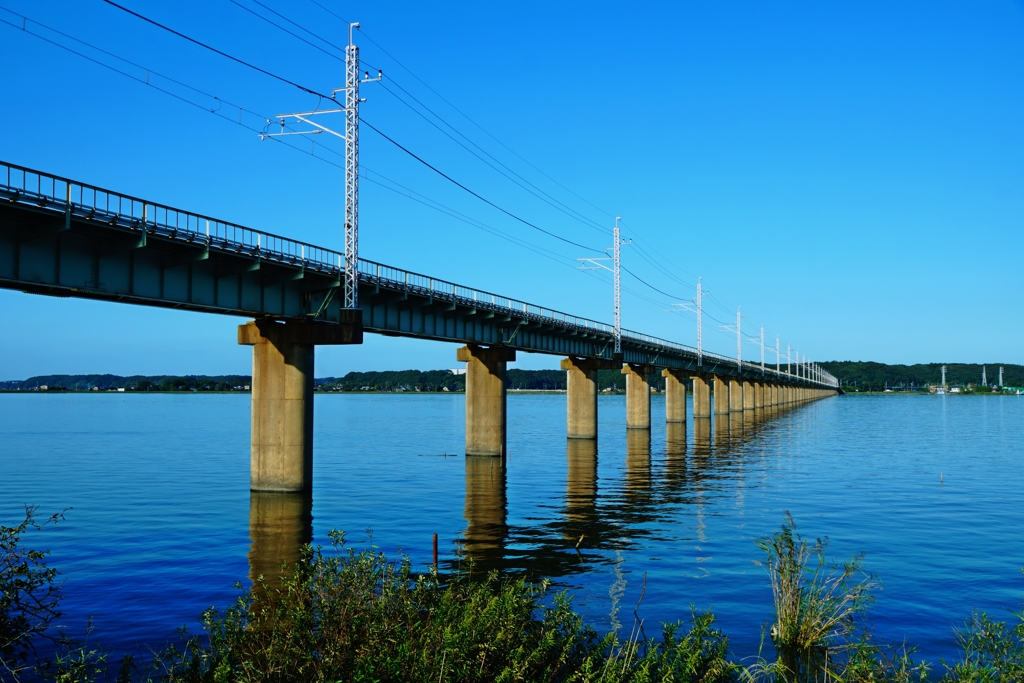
(29,597)
(352,615)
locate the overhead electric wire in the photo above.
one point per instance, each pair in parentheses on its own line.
(294,35)
(300,26)
(462,113)
(220,52)
(557,258)
(566,209)
(439,207)
(552,202)
(565,260)
(478,196)
(547,198)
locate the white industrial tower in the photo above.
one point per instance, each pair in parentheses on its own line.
(350,279)
(1000,376)
(984,381)
(943,375)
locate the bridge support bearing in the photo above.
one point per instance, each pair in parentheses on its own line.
(281,442)
(748,395)
(485,397)
(675,396)
(701,398)
(638,396)
(735,396)
(721,392)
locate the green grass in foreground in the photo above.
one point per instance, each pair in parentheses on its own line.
(349,615)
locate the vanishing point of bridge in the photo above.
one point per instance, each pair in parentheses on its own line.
(63,238)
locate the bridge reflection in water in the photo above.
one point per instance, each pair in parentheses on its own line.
(596,519)
(280,524)
(601,516)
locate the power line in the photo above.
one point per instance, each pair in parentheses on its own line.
(221,53)
(671,296)
(480,197)
(462,113)
(300,26)
(424,200)
(485,161)
(547,198)
(293,35)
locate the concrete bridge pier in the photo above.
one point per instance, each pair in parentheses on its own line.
(638,396)
(721,395)
(701,397)
(675,395)
(748,395)
(735,396)
(485,397)
(281,441)
(581,395)
(758,395)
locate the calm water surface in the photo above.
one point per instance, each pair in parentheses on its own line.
(162,524)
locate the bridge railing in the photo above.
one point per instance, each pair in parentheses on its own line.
(83,201)
(93,203)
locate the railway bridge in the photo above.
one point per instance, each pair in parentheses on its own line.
(64,238)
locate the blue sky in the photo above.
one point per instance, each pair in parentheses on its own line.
(848,173)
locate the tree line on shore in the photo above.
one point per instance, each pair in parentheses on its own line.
(870,376)
(853,375)
(386,380)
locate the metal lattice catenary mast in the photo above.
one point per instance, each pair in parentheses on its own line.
(350,277)
(595,263)
(351,288)
(700,325)
(618,295)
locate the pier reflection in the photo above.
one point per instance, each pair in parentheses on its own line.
(486,511)
(580,486)
(280,526)
(642,487)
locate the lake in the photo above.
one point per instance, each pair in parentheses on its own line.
(161,523)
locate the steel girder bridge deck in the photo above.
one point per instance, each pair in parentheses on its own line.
(64,238)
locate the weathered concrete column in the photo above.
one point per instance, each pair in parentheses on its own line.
(638,396)
(581,396)
(748,395)
(485,397)
(735,395)
(281,441)
(701,397)
(675,395)
(758,395)
(721,396)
